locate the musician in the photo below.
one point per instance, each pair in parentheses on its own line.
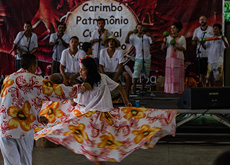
(26,42)
(69,64)
(87,48)
(98,38)
(111,62)
(175,44)
(141,41)
(59,41)
(216,48)
(203,31)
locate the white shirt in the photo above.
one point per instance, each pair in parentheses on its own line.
(216,50)
(71,63)
(139,45)
(199,33)
(95,35)
(58,48)
(110,64)
(26,44)
(180,42)
(99,98)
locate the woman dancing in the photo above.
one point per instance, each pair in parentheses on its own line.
(94,128)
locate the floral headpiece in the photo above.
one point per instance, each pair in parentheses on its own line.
(84,57)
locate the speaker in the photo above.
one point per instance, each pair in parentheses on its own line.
(205,98)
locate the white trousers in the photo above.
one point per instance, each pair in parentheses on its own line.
(17,151)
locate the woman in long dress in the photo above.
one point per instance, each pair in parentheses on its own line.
(174,67)
(95,129)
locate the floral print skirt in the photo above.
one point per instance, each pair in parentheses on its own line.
(105,136)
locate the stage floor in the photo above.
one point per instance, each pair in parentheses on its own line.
(191,145)
(199,125)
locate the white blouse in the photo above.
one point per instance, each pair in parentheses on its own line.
(180,42)
(99,98)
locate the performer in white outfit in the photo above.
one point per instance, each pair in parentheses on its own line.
(26,42)
(59,41)
(98,38)
(20,103)
(200,33)
(216,48)
(97,130)
(111,62)
(69,64)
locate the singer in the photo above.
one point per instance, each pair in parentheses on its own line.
(25,42)
(141,41)
(216,48)
(202,55)
(59,41)
(174,67)
(98,38)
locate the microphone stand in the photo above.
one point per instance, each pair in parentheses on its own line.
(143,60)
(15,46)
(56,63)
(99,46)
(198,57)
(143,65)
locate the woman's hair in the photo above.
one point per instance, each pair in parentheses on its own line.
(178,25)
(93,76)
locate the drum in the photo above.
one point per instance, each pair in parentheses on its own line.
(115,94)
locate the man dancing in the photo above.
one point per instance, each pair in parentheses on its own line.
(20,103)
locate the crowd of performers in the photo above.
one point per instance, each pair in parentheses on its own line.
(109,57)
(74,105)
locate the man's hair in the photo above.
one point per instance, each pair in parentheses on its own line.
(28,23)
(218,25)
(203,16)
(101,19)
(138,25)
(61,23)
(86,46)
(74,37)
(27,60)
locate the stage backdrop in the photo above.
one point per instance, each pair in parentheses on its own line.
(121,16)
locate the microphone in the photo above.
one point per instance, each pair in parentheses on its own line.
(135,31)
(25,31)
(203,36)
(100,29)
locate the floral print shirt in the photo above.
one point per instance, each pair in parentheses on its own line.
(21,98)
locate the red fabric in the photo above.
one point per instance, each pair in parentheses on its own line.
(157,16)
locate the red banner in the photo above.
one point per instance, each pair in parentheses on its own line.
(121,16)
